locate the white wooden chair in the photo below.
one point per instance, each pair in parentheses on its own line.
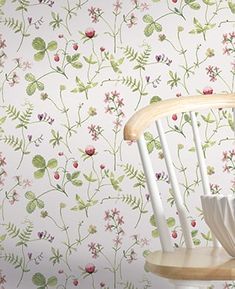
(189,267)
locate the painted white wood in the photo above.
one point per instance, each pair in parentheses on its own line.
(202,163)
(155,198)
(182,212)
(200,156)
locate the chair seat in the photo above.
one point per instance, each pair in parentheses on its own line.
(192,264)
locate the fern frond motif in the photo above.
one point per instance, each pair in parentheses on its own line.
(132,83)
(141,180)
(133,173)
(132,201)
(12,112)
(14,24)
(143,58)
(25,116)
(25,235)
(130,53)
(129,285)
(130,171)
(14,260)
(23,4)
(14,142)
(12,230)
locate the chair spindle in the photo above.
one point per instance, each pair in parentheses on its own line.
(155,198)
(202,164)
(182,213)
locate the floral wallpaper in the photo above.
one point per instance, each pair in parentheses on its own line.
(74,206)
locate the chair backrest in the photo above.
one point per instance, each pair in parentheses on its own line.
(134,130)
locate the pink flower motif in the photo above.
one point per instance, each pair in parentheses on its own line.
(144,6)
(90,32)
(2,160)
(90,268)
(14,197)
(117,241)
(208,90)
(107,215)
(95,14)
(2,42)
(117,6)
(108,227)
(120,220)
(90,150)
(115,212)
(26,183)
(75,282)
(131,21)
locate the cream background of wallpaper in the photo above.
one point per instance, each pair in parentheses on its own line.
(16,95)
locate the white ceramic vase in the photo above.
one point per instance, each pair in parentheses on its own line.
(219,214)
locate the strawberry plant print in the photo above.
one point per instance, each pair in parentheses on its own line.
(74,204)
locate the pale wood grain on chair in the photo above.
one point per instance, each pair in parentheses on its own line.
(192,264)
(145,116)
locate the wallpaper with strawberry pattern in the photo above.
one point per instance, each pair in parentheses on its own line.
(74,205)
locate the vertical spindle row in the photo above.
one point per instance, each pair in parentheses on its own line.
(182,213)
(201,161)
(155,198)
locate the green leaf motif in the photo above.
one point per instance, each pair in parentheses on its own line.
(40,85)
(52,281)
(2,237)
(195,6)
(231,6)
(39,173)
(39,55)
(2,2)
(77,183)
(29,77)
(30,195)
(194,233)
(31,206)
(89,60)
(171,222)
(51,46)
(40,204)
(150,146)
(152,221)
(209,2)
(39,44)
(148,18)
(52,163)
(155,233)
(155,99)
(31,88)
(38,279)
(149,29)
(77,65)
(196,242)
(39,162)
(75,175)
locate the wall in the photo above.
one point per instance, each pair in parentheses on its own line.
(75,209)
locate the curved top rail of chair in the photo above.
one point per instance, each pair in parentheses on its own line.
(145,116)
